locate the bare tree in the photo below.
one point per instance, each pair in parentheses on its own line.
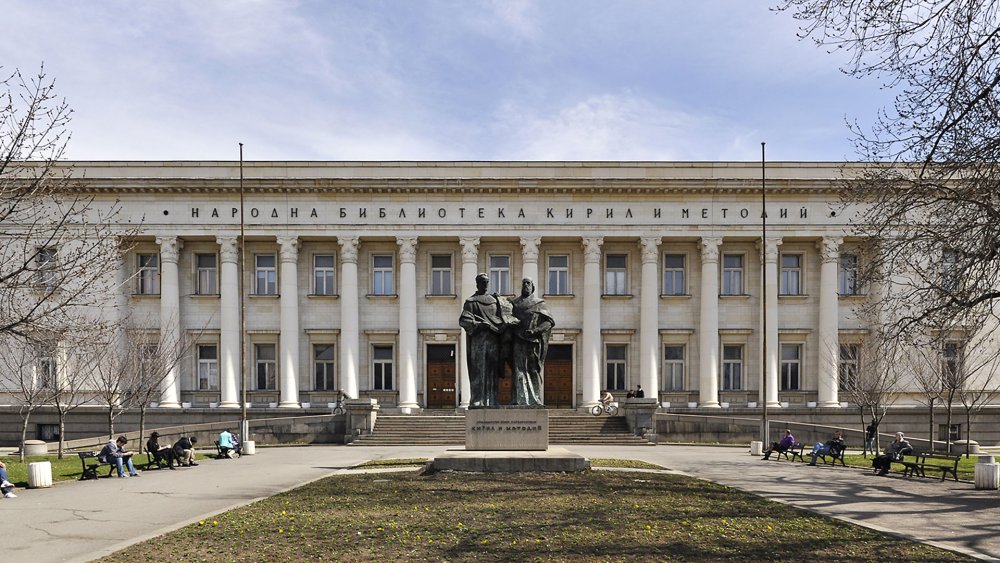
(73,385)
(112,362)
(923,363)
(930,195)
(27,375)
(874,386)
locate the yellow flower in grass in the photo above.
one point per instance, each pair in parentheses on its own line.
(215,522)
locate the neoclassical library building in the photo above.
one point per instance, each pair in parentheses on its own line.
(352,275)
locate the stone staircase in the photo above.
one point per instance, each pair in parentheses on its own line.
(435,429)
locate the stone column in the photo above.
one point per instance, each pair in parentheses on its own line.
(649,318)
(470,257)
(529,259)
(350,348)
(229,321)
(407,323)
(289,320)
(708,343)
(829,345)
(770,250)
(170,317)
(590,353)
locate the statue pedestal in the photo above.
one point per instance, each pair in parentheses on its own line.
(507,429)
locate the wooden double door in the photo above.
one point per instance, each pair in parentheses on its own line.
(441,380)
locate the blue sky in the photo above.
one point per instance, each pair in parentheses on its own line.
(439,80)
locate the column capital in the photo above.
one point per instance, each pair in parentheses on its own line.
(769,248)
(650,249)
(710,248)
(529,248)
(170,248)
(229,249)
(289,248)
(407,249)
(470,249)
(592,249)
(349,249)
(829,248)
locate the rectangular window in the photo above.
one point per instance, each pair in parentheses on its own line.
(265,275)
(847,369)
(47,265)
(615,366)
(791,366)
(558,276)
(732,274)
(673,275)
(45,366)
(266,366)
(500,274)
(382,368)
(952,361)
(791,274)
(208,367)
(732,368)
(615,280)
(323,362)
(208,274)
(673,368)
(441,274)
(847,280)
(149,361)
(382,275)
(323,274)
(950,274)
(148,281)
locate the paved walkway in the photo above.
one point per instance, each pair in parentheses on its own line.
(82,521)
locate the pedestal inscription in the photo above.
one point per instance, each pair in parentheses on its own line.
(505,429)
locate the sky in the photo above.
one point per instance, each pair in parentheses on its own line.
(639,80)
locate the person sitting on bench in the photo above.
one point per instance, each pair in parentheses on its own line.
(786,442)
(184,450)
(159,453)
(893,452)
(114,452)
(832,446)
(228,444)
(6,487)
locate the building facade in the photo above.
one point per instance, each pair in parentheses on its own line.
(352,276)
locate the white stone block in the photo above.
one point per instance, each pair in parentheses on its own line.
(987,474)
(506,429)
(249,447)
(756,448)
(39,475)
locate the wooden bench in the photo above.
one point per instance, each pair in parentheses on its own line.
(153,461)
(834,455)
(924,461)
(791,453)
(91,464)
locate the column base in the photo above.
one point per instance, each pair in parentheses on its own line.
(409,408)
(170,405)
(289,405)
(229,405)
(835,404)
(709,405)
(773,405)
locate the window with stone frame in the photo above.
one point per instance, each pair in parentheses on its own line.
(732,367)
(791,366)
(674,282)
(441,275)
(207,274)
(499,273)
(848,366)
(732,274)
(672,378)
(324,367)
(46,365)
(266,366)
(47,264)
(847,275)
(208,367)
(382,368)
(383,275)
(265,274)
(558,274)
(790,278)
(615,366)
(324,274)
(616,275)
(147,274)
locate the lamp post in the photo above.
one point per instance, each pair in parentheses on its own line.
(244,420)
(763,293)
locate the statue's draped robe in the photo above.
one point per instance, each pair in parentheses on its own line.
(485,325)
(529,347)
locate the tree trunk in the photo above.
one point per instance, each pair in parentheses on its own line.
(111,422)
(62,433)
(24,433)
(968,429)
(142,427)
(930,429)
(947,430)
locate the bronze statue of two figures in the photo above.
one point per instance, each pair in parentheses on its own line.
(504,332)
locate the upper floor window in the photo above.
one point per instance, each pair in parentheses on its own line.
(208,367)
(791,274)
(45,366)
(47,265)
(791,366)
(952,360)
(673,368)
(732,367)
(500,274)
(950,274)
(441,274)
(148,274)
(382,368)
(208,274)
(615,366)
(323,274)
(558,276)
(732,274)
(847,280)
(265,275)
(383,282)
(847,369)
(615,279)
(265,357)
(673,275)
(324,367)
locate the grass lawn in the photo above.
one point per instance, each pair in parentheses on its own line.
(593,515)
(966,466)
(66,469)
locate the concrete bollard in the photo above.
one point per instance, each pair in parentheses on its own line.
(757,448)
(987,473)
(39,475)
(249,447)
(35,447)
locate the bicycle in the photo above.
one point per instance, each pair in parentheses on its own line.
(610,409)
(338,408)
